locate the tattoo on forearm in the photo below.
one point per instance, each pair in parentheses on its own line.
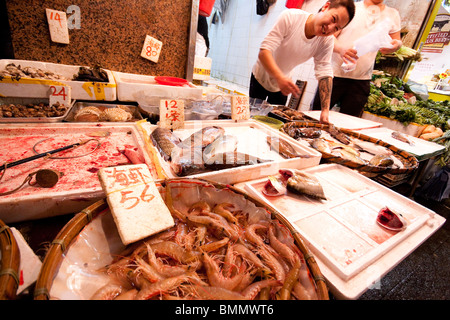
(325,92)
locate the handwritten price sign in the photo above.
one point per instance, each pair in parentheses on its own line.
(240,107)
(60,95)
(57,23)
(135,202)
(171,114)
(151,49)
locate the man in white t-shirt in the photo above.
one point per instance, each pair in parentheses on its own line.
(351,89)
(296,37)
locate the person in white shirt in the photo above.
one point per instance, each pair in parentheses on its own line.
(351,89)
(296,37)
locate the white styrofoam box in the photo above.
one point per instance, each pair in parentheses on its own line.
(345,121)
(421,149)
(252,137)
(202,68)
(352,251)
(78,187)
(413,129)
(39,88)
(147,92)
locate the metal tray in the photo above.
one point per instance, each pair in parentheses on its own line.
(80,105)
(26,101)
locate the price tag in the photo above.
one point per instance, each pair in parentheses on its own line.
(57,23)
(61,95)
(171,114)
(135,202)
(151,49)
(240,107)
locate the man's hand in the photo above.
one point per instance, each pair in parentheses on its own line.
(395,45)
(287,86)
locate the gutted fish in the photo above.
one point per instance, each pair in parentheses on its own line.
(165,141)
(401,137)
(282,147)
(202,138)
(381,160)
(391,220)
(303,183)
(228,160)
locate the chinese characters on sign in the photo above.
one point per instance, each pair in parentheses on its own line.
(171,114)
(240,109)
(122,179)
(151,49)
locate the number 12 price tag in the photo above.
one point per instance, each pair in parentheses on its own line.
(171,114)
(61,95)
(240,107)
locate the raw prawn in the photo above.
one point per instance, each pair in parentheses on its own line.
(227,214)
(252,290)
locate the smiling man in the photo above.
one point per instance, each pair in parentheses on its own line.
(296,37)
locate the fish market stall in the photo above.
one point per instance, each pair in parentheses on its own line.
(357,229)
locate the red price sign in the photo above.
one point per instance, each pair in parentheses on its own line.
(171,114)
(60,94)
(151,49)
(240,108)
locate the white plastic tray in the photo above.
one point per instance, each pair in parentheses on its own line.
(345,121)
(252,137)
(79,186)
(147,92)
(421,149)
(39,88)
(353,252)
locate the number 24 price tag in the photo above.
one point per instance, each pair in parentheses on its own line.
(61,95)
(240,107)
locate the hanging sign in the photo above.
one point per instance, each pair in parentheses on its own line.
(151,49)
(171,114)
(57,23)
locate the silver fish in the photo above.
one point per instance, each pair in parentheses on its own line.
(165,141)
(228,160)
(202,138)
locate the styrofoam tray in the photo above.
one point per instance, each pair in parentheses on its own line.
(353,252)
(421,149)
(26,101)
(345,121)
(79,186)
(39,88)
(147,92)
(252,137)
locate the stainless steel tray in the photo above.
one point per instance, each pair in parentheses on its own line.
(26,101)
(80,105)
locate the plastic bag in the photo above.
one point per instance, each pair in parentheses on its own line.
(373,41)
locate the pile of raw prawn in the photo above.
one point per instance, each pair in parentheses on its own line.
(215,251)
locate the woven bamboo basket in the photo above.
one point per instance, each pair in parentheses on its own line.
(410,162)
(10,263)
(70,232)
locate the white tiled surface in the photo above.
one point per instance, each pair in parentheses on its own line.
(235,44)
